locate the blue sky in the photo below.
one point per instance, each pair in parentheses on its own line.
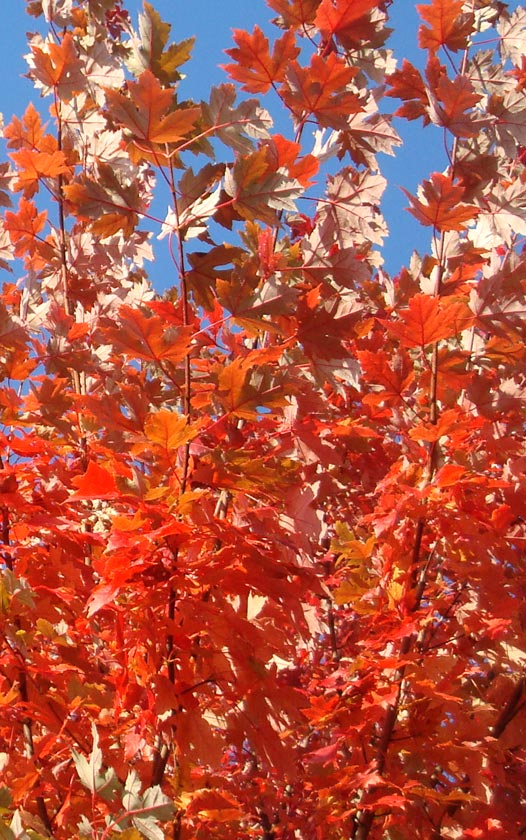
(212,23)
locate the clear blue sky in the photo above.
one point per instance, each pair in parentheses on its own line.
(212,22)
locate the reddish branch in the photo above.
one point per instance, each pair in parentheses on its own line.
(418,572)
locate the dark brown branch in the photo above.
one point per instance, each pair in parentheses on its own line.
(30,749)
(266,825)
(510,710)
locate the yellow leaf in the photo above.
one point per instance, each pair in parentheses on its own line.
(347,547)
(45,627)
(9,697)
(395,593)
(156,493)
(346,593)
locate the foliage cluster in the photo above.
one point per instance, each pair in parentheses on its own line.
(262,536)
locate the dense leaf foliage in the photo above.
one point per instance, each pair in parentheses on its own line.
(263,534)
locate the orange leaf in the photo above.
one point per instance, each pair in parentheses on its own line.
(101,597)
(231,384)
(57,62)
(169,429)
(35,165)
(174,126)
(215,805)
(107,199)
(284,153)
(255,67)
(80,329)
(428,320)
(393,376)
(440,204)
(29,132)
(455,97)
(448,422)
(96,483)
(148,337)
(321,90)
(408,85)
(448,25)
(450,475)
(144,111)
(348,20)
(24,227)
(295,13)
(19,787)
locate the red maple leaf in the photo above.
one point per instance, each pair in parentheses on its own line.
(378,369)
(255,67)
(440,204)
(407,84)
(295,13)
(25,226)
(347,20)
(428,320)
(32,166)
(146,111)
(320,91)
(96,483)
(450,101)
(55,62)
(284,153)
(29,132)
(448,27)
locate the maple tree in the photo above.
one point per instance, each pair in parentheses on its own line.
(263,534)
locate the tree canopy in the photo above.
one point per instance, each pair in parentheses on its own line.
(262,534)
